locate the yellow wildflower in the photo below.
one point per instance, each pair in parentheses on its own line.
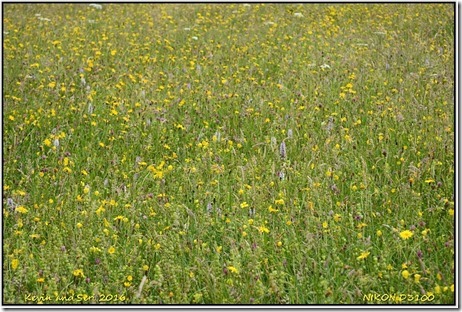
(14,264)
(78,273)
(406,234)
(405,274)
(21,209)
(363,255)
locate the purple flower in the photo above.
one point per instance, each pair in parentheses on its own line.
(419,254)
(283,150)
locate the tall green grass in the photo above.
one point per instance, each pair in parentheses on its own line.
(142,153)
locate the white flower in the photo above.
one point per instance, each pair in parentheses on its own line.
(290,133)
(217,136)
(10,203)
(187,28)
(298,14)
(330,124)
(273,142)
(44,19)
(209,208)
(324,66)
(96,6)
(194,38)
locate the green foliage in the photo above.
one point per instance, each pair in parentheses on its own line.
(143,163)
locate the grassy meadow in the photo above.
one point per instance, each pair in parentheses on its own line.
(228,154)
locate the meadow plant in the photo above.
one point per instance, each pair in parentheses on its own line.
(228,153)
